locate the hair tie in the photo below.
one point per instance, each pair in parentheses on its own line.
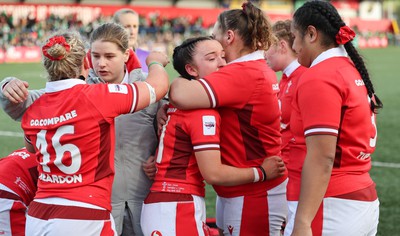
(244,7)
(51,42)
(345,35)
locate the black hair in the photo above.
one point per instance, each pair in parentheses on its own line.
(183,55)
(326,19)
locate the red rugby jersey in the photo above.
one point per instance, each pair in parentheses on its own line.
(72,129)
(287,87)
(245,93)
(18,171)
(331,99)
(185,133)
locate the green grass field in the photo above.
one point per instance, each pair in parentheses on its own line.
(384,69)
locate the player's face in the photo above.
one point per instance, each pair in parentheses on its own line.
(222,38)
(209,56)
(131,23)
(108,61)
(272,56)
(301,48)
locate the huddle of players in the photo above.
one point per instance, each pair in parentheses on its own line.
(236,145)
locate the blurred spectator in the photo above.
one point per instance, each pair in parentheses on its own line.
(156,32)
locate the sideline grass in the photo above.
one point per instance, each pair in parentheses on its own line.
(384,70)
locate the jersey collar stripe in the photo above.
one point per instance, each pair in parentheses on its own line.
(210,92)
(320,130)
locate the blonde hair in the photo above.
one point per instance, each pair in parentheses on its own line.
(281,30)
(113,33)
(63,60)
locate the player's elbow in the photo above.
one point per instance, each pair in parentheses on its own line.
(214,178)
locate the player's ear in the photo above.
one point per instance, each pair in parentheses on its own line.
(126,55)
(191,70)
(230,36)
(312,33)
(283,46)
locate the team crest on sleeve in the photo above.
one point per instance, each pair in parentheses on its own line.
(209,125)
(117,88)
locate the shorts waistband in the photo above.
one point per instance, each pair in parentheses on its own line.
(367,194)
(8,195)
(154,197)
(51,211)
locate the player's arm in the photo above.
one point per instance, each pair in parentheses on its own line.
(188,94)
(315,178)
(15,97)
(216,173)
(156,85)
(29,146)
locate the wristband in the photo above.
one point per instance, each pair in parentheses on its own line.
(263,173)
(152,92)
(256,175)
(155,63)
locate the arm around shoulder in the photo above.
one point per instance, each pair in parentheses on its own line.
(188,94)
(15,98)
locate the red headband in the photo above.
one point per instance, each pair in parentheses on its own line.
(52,41)
(344,35)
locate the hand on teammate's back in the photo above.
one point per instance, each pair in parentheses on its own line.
(161,118)
(16,90)
(274,167)
(149,167)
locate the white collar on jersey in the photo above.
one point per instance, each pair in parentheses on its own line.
(333,52)
(291,67)
(257,55)
(59,85)
(126,77)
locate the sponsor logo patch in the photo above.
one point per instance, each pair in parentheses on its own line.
(275,87)
(209,125)
(117,88)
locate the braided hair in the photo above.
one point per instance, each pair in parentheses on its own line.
(326,19)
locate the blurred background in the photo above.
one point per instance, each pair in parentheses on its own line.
(165,23)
